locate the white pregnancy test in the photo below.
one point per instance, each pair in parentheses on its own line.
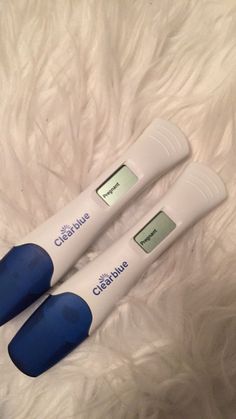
(79,306)
(36,263)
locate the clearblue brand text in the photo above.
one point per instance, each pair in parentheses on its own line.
(69,230)
(105,280)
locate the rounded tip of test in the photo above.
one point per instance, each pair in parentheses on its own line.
(60,324)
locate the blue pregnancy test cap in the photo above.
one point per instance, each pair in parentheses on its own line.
(60,324)
(25,274)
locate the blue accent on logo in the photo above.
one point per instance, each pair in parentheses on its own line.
(65,229)
(25,274)
(106,280)
(60,324)
(103,278)
(69,230)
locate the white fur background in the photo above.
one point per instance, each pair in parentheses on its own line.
(79,81)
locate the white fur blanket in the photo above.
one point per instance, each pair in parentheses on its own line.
(79,81)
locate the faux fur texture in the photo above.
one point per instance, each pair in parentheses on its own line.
(79,81)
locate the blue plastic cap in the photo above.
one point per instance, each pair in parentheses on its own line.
(25,274)
(60,324)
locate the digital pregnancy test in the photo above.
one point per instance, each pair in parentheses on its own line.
(45,255)
(79,306)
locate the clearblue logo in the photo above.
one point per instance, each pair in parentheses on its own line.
(69,230)
(105,280)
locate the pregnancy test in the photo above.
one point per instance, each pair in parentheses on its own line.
(36,263)
(80,305)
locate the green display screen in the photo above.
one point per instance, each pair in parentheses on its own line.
(117,185)
(154,232)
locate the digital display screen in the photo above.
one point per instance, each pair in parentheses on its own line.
(154,232)
(117,185)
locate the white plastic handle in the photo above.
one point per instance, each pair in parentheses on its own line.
(105,280)
(67,234)
(78,307)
